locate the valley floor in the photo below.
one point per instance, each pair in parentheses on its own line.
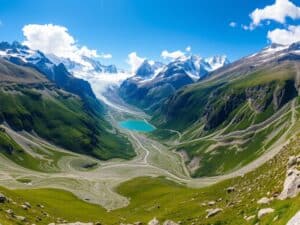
(98,182)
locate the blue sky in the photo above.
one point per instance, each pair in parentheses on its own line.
(147,27)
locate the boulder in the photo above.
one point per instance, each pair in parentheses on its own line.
(295,220)
(292,161)
(262,212)
(27,204)
(264,201)
(291,187)
(248,218)
(169,222)
(3,198)
(9,212)
(20,218)
(230,189)
(154,221)
(213,212)
(211,203)
(40,206)
(25,207)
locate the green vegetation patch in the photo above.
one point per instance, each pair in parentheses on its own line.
(63,120)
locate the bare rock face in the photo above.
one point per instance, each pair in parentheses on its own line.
(213,212)
(295,220)
(263,212)
(291,187)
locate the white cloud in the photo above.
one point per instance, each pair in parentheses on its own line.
(56,40)
(232,24)
(188,48)
(134,61)
(172,55)
(245,27)
(85,51)
(279,11)
(285,36)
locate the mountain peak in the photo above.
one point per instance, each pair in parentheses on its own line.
(218,61)
(148,68)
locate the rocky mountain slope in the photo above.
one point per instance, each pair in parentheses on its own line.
(22,55)
(152,84)
(245,109)
(58,108)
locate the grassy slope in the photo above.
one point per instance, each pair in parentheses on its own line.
(10,149)
(61,118)
(164,199)
(192,100)
(223,96)
(30,102)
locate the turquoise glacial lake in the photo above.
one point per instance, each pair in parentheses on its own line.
(137,125)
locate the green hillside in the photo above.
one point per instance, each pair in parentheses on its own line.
(224,116)
(56,115)
(157,197)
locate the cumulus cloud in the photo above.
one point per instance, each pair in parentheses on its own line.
(232,24)
(279,11)
(285,36)
(172,55)
(134,61)
(56,40)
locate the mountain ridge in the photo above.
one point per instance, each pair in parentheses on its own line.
(228,106)
(148,92)
(58,108)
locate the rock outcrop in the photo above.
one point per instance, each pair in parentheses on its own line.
(169,222)
(262,212)
(213,212)
(291,187)
(264,201)
(154,221)
(295,220)
(3,198)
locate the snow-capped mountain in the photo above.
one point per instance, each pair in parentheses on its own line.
(154,83)
(216,62)
(149,68)
(87,68)
(22,55)
(197,67)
